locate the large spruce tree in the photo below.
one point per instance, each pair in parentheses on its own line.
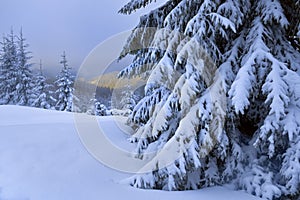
(222,97)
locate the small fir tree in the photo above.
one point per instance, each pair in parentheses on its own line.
(43,92)
(65,89)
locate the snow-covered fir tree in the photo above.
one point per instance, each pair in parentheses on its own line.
(96,107)
(8,70)
(25,84)
(100,109)
(127,101)
(222,96)
(15,75)
(64,82)
(43,92)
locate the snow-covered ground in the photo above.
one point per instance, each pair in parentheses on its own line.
(42,157)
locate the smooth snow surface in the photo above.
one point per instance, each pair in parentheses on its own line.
(42,158)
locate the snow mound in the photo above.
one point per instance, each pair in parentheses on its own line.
(42,158)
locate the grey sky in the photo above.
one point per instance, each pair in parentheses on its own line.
(76,26)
